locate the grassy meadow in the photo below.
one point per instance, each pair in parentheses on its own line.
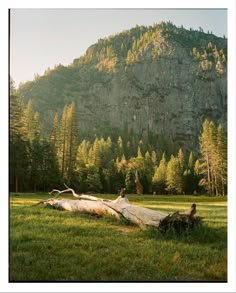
(52,245)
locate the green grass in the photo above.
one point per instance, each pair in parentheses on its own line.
(52,245)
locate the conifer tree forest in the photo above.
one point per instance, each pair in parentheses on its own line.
(41,162)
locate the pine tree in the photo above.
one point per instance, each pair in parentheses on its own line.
(28,118)
(209,158)
(130,181)
(154,157)
(73,140)
(36,127)
(19,159)
(214,159)
(12,86)
(113,177)
(93,180)
(205,160)
(25,136)
(123,159)
(190,161)
(55,135)
(190,184)
(95,154)
(181,159)
(82,160)
(44,170)
(83,153)
(148,172)
(16,115)
(105,151)
(33,135)
(159,178)
(120,149)
(31,128)
(139,153)
(68,142)
(63,142)
(181,169)
(36,156)
(221,155)
(19,164)
(174,176)
(50,173)
(108,150)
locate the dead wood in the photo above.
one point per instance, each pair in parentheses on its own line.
(121,208)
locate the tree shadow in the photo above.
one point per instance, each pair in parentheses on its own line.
(203,234)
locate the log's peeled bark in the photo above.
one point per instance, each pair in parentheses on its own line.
(121,208)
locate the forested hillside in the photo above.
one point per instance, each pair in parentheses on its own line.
(154,83)
(150,102)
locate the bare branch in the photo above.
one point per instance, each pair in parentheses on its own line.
(80,196)
(55,191)
(43,201)
(90,197)
(71,190)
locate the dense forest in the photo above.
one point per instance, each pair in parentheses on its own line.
(40,162)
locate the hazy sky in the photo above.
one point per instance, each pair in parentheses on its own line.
(41,38)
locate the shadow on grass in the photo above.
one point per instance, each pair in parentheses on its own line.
(202,234)
(199,235)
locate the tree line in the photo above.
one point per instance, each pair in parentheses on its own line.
(41,162)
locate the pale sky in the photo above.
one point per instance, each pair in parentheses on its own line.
(42,38)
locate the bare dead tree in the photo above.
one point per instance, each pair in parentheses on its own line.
(121,208)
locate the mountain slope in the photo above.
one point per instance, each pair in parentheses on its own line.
(157,82)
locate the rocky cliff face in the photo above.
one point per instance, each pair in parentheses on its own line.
(162,82)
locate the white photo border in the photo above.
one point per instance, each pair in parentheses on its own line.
(5,286)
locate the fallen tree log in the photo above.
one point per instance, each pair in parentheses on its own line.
(121,208)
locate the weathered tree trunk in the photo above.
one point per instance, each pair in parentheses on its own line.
(121,207)
(139,187)
(16,184)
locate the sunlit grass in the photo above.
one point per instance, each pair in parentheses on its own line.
(52,245)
